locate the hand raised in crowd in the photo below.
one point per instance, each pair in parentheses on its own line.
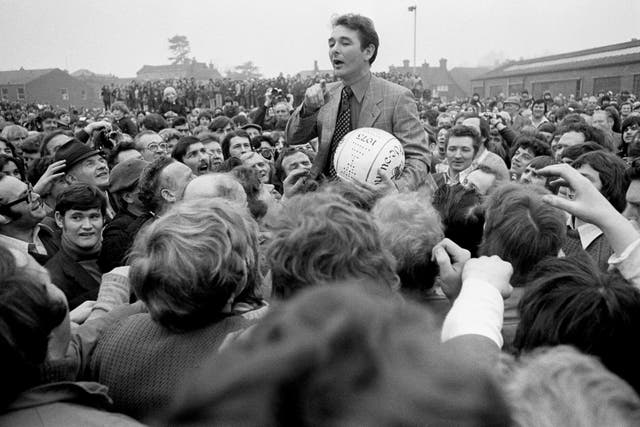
(294,183)
(451,259)
(384,187)
(590,206)
(79,314)
(53,172)
(268,98)
(315,97)
(91,127)
(492,270)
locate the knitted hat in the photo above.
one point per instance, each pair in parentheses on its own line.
(124,175)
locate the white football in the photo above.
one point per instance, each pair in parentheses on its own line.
(363,151)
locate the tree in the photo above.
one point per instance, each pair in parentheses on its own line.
(179,47)
(248,70)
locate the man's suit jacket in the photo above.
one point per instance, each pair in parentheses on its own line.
(385,106)
(77,285)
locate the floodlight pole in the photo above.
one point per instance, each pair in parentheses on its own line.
(414,9)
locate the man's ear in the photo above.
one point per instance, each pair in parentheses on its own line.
(70,179)
(168,195)
(369,51)
(127,197)
(59,219)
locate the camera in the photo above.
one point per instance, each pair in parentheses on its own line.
(277,95)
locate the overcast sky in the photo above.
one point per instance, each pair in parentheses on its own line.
(119,36)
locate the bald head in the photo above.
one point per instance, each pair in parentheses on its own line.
(212,185)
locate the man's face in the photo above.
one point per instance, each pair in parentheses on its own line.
(127,155)
(347,56)
(295,161)
(152,146)
(4,149)
(49,125)
(592,175)
(11,169)
(444,121)
(30,209)
(175,178)
(215,153)
(521,158)
(224,131)
(260,164)
(511,108)
(92,170)
(530,176)
(625,110)
(183,129)
(82,228)
(117,113)
(479,180)
(632,211)
(460,153)
(30,158)
(204,121)
(600,120)
(568,139)
(197,159)
(630,132)
(281,111)
(538,110)
(238,146)
(253,132)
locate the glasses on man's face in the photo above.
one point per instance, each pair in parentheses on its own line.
(28,197)
(156,147)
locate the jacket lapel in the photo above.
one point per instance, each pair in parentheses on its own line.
(327,115)
(370,110)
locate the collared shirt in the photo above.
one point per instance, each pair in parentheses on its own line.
(359,88)
(588,232)
(23,246)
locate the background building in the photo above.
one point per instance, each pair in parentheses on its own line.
(47,86)
(608,68)
(443,83)
(197,70)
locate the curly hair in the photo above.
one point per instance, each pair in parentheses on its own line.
(410,227)
(189,263)
(321,238)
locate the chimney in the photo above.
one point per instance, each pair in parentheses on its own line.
(315,66)
(405,64)
(443,63)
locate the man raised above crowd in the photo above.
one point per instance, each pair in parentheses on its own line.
(359,100)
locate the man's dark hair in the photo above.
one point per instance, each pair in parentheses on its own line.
(27,317)
(219,123)
(154,122)
(590,133)
(612,175)
(227,141)
(462,131)
(256,141)
(150,183)
(206,115)
(365,28)
(522,229)
(578,150)
(179,121)
(81,197)
(462,215)
(540,102)
(183,144)
(571,301)
(537,146)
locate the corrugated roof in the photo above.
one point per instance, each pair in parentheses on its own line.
(22,76)
(620,53)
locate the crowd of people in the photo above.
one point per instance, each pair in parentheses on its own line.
(173,260)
